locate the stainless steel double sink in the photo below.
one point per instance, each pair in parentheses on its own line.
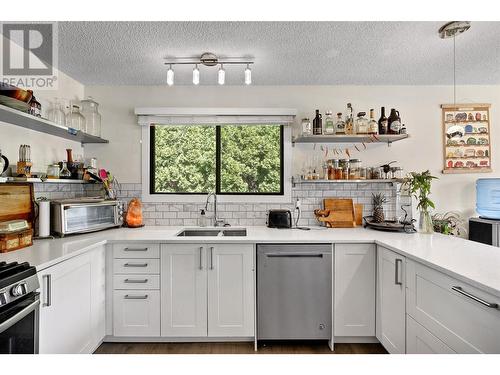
(213,232)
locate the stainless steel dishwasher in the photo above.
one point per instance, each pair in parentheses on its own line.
(294,291)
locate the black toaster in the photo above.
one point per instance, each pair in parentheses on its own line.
(279,219)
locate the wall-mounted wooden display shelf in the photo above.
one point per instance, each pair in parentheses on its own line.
(376,181)
(350,138)
(25,120)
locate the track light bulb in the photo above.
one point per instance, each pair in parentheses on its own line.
(196,75)
(221,76)
(248,75)
(170,76)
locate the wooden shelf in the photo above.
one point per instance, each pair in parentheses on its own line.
(25,120)
(360,138)
(45,181)
(468,170)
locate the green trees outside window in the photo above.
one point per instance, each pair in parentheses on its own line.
(228,159)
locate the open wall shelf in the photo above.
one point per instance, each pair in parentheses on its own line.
(25,120)
(45,181)
(363,138)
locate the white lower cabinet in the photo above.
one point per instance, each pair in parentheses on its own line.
(354,308)
(420,341)
(391,292)
(72,313)
(136,313)
(183,290)
(466,319)
(207,290)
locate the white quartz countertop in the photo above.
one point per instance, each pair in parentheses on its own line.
(471,262)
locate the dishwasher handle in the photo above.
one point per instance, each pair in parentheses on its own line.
(294,255)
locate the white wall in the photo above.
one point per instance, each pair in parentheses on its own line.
(418,105)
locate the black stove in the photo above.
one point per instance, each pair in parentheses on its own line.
(19,305)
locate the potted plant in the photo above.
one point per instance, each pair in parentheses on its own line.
(379,200)
(419,186)
(450,223)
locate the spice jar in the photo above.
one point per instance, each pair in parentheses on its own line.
(344,164)
(355,165)
(363,173)
(53,171)
(397,172)
(331,170)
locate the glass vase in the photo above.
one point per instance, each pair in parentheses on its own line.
(425,223)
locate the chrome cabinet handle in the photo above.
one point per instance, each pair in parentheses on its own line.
(211,257)
(397,279)
(460,290)
(136,249)
(48,290)
(135,265)
(128,296)
(201,257)
(135,281)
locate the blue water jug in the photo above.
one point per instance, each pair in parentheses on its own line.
(488,197)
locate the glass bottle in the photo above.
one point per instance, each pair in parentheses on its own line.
(64,173)
(382,122)
(56,113)
(372,125)
(339,125)
(92,117)
(361,123)
(349,121)
(76,120)
(394,122)
(35,108)
(317,124)
(306,127)
(329,124)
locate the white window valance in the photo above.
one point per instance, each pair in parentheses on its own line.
(214,116)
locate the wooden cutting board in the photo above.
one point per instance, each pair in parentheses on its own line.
(17,202)
(338,213)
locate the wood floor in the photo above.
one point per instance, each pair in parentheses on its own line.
(238,348)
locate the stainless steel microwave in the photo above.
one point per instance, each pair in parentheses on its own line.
(485,231)
(70,216)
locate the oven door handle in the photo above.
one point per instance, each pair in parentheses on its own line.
(20,315)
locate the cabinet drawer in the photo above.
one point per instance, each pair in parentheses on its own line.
(135,281)
(136,266)
(136,313)
(140,250)
(420,341)
(453,311)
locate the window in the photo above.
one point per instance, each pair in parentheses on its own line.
(227,159)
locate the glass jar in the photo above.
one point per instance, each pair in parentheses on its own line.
(329,124)
(56,113)
(92,117)
(344,164)
(362,123)
(363,173)
(377,173)
(306,127)
(355,166)
(331,170)
(338,170)
(53,171)
(76,120)
(324,166)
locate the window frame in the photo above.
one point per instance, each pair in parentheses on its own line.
(284,196)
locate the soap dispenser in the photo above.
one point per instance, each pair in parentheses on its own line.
(202,220)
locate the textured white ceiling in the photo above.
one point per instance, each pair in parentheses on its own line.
(285,53)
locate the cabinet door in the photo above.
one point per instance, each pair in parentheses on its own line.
(230,290)
(183,290)
(391,328)
(355,290)
(98,294)
(420,341)
(136,313)
(66,312)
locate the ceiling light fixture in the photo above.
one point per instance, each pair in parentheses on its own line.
(170,76)
(196,75)
(221,76)
(248,75)
(209,59)
(451,30)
